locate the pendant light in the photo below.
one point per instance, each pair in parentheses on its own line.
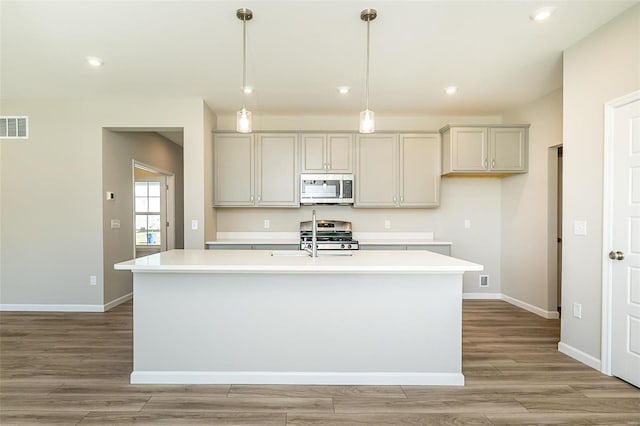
(243,117)
(367,117)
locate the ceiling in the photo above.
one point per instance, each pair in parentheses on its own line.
(299,52)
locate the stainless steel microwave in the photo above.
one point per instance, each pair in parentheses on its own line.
(326,188)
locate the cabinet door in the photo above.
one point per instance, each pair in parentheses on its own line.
(469,148)
(233,170)
(508,149)
(376,179)
(277,170)
(339,149)
(313,153)
(419,170)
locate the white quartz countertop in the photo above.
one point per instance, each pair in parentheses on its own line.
(364,238)
(256,261)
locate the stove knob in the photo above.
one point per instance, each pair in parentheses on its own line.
(349,246)
(308,246)
(341,245)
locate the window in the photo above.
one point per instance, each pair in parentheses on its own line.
(147,207)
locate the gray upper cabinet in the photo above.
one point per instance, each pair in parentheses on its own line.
(496,149)
(376,179)
(327,153)
(419,170)
(256,170)
(397,170)
(233,159)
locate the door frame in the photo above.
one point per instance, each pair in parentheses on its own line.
(170,235)
(607,225)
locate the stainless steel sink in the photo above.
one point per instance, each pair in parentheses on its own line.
(306,253)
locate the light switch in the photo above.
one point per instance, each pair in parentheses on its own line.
(580,227)
(467,224)
(115,223)
(267,224)
(387,224)
(194,225)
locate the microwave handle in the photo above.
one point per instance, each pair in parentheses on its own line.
(341,189)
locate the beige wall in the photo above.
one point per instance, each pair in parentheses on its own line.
(210,124)
(51,209)
(119,149)
(603,66)
(529,212)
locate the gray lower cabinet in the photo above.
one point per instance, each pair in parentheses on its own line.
(214,246)
(442,249)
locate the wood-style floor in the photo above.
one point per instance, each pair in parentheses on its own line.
(70,368)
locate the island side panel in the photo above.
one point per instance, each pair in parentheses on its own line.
(298,328)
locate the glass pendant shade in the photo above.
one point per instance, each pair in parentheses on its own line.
(367,121)
(243,124)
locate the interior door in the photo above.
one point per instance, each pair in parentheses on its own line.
(625,249)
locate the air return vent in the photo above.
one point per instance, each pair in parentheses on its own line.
(14,127)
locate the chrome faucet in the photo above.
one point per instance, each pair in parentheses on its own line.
(314,235)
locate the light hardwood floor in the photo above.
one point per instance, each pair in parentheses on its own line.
(70,368)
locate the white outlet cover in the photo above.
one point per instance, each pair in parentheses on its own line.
(115,223)
(467,224)
(580,227)
(387,224)
(194,224)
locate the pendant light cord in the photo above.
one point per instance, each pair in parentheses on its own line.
(367,74)
(244,60)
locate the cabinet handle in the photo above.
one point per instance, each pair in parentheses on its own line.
(402,199)
(259,198)
(252,198)
(493,163)
(394,199)
(486,163)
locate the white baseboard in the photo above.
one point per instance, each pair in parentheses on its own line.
(120,300)
(578,355)
(531,308)
(34,307)
(482,296)
(18,307)
(295,378)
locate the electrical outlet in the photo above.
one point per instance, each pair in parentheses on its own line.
(267,224)
(110,195)
(387,224)
(467,224)
(484,280)
(577,310)
(115,223)
(93,280)
(194,225)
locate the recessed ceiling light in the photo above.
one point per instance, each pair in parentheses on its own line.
(343,90)
(542,13)
(451,90)
(94,61)
(248,90)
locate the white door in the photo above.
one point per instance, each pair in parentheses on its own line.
(625,243)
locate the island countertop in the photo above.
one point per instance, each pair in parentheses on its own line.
(262,261)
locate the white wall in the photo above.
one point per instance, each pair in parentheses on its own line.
(51,210)
(529,212)
(603,66)
(119,149)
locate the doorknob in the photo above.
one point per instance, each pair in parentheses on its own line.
(616,255)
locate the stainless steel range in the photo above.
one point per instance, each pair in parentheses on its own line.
(331,235)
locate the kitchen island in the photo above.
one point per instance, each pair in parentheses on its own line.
(247,316)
